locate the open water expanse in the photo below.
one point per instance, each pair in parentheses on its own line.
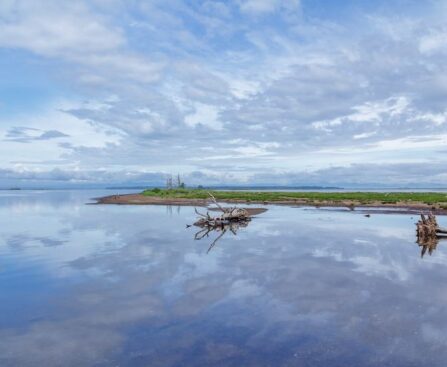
(90,285)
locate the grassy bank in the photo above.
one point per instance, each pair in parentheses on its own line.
(357,198)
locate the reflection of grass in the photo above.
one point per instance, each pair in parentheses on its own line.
(357,197)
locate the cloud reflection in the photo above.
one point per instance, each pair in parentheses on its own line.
(296,287)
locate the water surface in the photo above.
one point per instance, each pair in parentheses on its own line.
(89,285)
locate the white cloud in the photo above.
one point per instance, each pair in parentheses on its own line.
(204,115)
(55,28)
(266,6)
(369,112)
(433,42)
(364,135)
(435,118)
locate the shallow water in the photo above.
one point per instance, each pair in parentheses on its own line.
(89,285)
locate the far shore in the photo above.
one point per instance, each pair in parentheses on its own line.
(407,203)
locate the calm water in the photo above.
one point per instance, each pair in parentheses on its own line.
(86,285)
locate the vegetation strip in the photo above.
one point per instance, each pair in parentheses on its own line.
(410,201)
(428,198)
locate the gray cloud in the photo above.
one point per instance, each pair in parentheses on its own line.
(51,134)
(355,175)
(27,135)
(401,174)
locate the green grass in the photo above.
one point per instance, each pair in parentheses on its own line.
(430,198)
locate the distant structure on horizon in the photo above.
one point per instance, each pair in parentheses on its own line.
(170,184)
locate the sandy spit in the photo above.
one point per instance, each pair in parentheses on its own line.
(404,208)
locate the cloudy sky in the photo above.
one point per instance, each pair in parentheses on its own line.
(288,92)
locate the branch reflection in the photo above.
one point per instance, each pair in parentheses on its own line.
(219,231)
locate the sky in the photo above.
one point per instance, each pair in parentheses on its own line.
(348,93)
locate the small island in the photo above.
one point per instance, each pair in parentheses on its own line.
(416,201)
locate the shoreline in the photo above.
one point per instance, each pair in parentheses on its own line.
(375,207)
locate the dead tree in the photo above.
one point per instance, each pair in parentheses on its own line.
(229,215)
(231,219)
(429,233)
(428,227)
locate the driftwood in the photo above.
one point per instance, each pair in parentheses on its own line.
(429,233)
(231,219)
(228,216)
(428,227)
